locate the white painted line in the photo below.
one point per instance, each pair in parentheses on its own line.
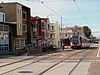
(98,53)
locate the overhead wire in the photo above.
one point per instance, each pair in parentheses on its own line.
(55,12)
(81,12)
(61,15)
(84,17)
(56,1)
(49,7)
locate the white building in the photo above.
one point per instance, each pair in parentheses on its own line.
(55,34)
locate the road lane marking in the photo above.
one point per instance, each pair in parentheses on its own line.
(98,53)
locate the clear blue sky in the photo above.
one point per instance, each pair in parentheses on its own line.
(69,11)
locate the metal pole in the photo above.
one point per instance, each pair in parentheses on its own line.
(61,33)
(61,23)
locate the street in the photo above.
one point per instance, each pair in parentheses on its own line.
(64,62)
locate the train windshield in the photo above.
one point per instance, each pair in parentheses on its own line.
(75,39)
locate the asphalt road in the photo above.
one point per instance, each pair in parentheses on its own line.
(67,62)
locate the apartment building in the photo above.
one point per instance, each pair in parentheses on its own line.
(6,42)
(40,30)
(55,34)
(18,16)
(47,24)
(34,31)
(5,31)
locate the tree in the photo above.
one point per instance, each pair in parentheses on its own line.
(87,31)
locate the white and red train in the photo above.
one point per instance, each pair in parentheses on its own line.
(77,41)
(80,41)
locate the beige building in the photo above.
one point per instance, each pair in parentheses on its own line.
(55,34)
(20,16)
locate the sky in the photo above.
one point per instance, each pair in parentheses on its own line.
(73,12)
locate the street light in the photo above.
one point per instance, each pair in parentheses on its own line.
(49,15)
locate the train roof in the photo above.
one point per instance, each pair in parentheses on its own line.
(81,36)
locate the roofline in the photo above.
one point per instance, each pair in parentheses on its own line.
(15,3)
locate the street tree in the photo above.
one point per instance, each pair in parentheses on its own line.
(87,31)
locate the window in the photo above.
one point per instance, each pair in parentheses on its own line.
(19,25)
(52,36)
(19,43)
(48,27)
(4,37)
(52,27)
(24,28)
(2,17)
(19,11)
(43,34)
(75,39)
(42,24)
(34,34)
(24,15)
(6,28)
(34,29)
(36,24)
(1,28)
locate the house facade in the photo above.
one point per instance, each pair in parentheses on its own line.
(40,31)
(19,16)
(55,34)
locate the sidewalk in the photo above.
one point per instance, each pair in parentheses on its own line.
(65,48)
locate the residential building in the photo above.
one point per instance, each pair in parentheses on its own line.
(47,25)
(40,31)
(19,16)
(68,31)
(55,34)
(34,31)
(6,32)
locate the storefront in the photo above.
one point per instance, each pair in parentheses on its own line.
(4,37)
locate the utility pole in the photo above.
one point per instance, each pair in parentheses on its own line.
(61,22)
(61,33)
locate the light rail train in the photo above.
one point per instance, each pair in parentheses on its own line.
(80,41)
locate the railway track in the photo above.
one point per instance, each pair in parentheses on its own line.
(19,60)
(71,71)
(23,60)
(80,60)
(67,56)
(16,62)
